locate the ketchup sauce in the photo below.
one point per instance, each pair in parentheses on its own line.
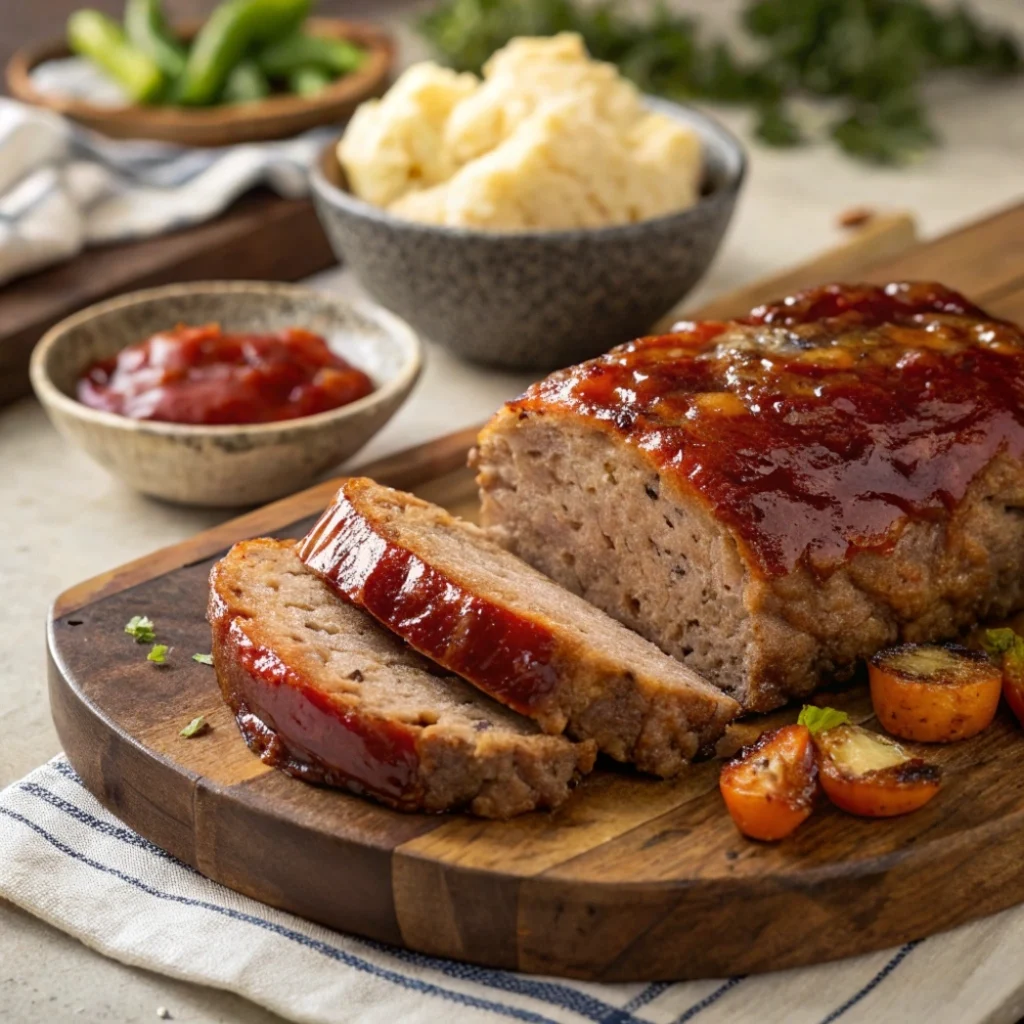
(200,375)
(817,426)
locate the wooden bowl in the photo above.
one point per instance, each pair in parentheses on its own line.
(275,117)
(236,465)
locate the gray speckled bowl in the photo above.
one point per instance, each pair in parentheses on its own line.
(540,299)
(225,465)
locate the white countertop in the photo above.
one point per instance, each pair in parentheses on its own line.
(64,519)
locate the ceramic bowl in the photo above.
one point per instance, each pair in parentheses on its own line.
(275,117)
(539,299)
(225,465)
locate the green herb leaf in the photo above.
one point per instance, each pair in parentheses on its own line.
(777,127)
(194,728)
(158,654)
(203,659)
(820,719)
(1008,647)
(999,641)
(141,627)
(872,54)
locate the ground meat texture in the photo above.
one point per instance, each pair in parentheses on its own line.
(772,499)
(322,692)
(448,590)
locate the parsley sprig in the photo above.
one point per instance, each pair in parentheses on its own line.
(869,56)
(141,627)
(819,719)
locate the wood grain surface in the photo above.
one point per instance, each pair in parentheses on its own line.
(632,879)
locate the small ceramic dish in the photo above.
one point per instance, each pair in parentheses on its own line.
(535,300)
(226,466)
(275,117)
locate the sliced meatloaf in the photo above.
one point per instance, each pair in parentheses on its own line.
(774,498)
(476,609)
(324,693)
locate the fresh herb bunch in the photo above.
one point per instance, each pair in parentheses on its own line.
(870,55)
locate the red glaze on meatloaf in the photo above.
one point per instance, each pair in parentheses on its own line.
(816,426)
(782,456)
(324,693)
(474,608)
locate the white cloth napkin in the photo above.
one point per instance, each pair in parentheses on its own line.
(63,188)
(66,860)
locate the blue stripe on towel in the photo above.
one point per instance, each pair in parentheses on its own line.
(549,992)
(708,1000)
(884,973)
(125,835)
(333,952)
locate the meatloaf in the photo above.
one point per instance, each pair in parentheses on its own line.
(476,609)
(324,693)
(774,498)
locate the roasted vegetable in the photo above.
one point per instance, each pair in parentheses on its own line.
(245,84)
(932,693)
(870,775)
(147,31)
(100,39)
(231,30)
(308,81)
(769,787)
(298,51)
(1008,648)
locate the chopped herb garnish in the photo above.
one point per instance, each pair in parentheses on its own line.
(158,654)
(1009,645)
(203,659)
(141,627)
(194,728)
(820,719)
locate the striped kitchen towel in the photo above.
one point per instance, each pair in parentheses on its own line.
(66,860)
(63,188)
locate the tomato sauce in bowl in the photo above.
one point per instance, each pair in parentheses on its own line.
(202,375)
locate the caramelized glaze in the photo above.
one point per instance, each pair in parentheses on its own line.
(504,654)
(340,746)
(815,427)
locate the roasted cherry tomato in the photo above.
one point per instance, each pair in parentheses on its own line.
(1008,648)
(934,694)
(769,787)
(868,774)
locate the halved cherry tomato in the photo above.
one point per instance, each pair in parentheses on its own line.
(869,774)
(932,693)
(769,787)
(1008,648)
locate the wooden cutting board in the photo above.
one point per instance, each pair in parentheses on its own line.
(633,879)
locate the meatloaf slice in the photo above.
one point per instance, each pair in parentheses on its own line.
(459,598)
(321,691)
(772,499)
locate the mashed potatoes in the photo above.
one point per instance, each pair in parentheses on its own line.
(549,139)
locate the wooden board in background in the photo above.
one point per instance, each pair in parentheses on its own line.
(632,879)
(262,237)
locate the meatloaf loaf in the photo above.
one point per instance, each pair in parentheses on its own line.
(468,604)
(323,692)
(774,498)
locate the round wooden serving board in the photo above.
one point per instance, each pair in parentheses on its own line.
(633,879)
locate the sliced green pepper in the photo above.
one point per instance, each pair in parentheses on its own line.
(147,30)
(245,84)
(309,80)
(300,50)
(100,39)
(222,42)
